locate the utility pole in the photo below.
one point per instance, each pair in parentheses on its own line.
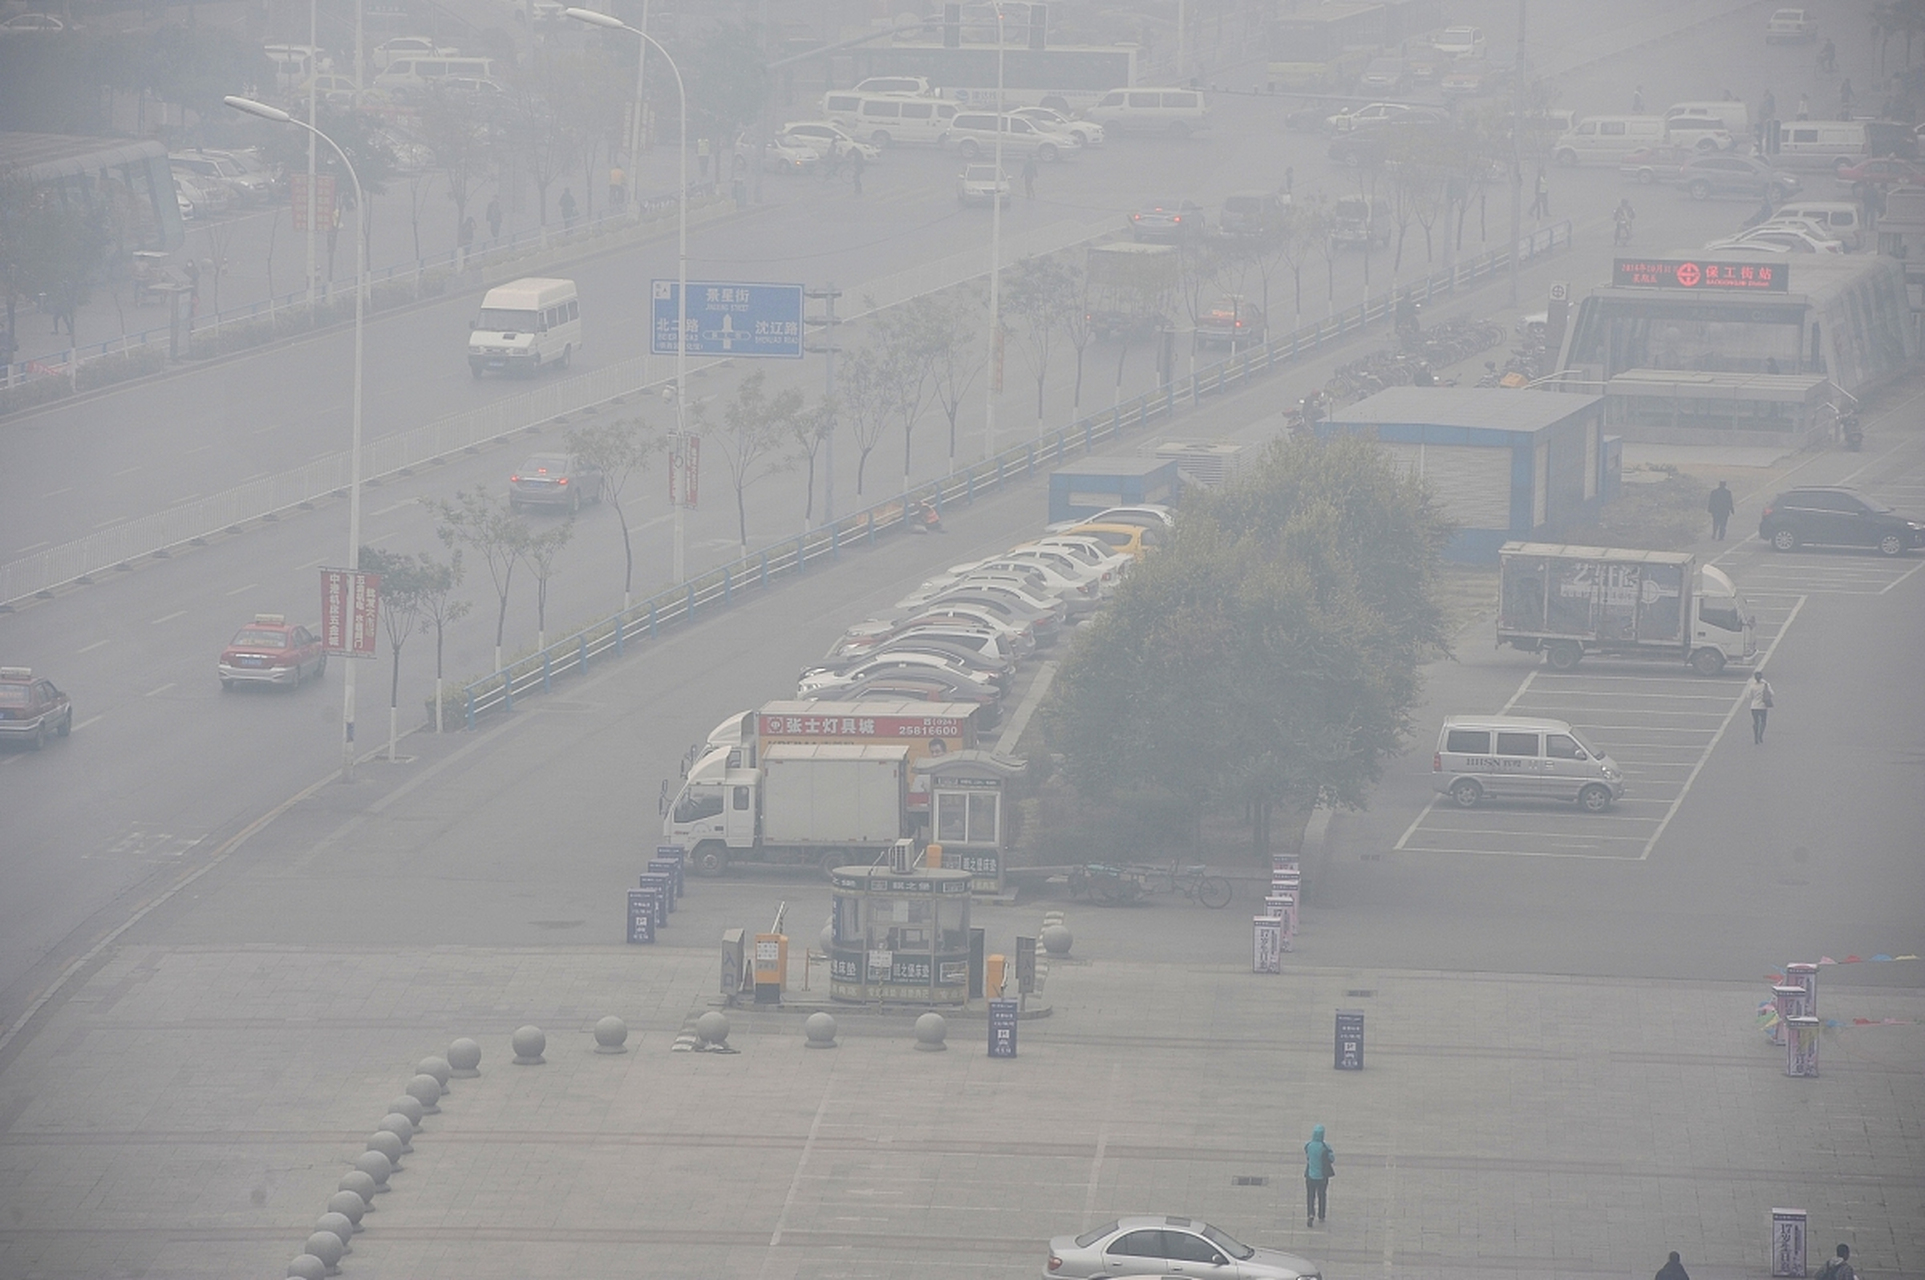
(827,295)
(1517,146)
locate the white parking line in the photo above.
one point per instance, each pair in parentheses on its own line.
(1736,703)
(399,506)
(238,590)
(154,693)
(91,647)
(178,613)
(89,720)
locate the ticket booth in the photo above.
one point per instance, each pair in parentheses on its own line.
(967,811)
(900,936)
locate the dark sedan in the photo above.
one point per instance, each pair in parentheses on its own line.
(1167,220)
(554,480)
(1834,516)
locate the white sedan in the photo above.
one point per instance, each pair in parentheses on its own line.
(827,139)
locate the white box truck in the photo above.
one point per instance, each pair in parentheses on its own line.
(822,804)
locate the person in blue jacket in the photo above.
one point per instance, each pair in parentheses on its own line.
(1319,1167)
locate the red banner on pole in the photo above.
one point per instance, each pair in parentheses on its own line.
(350,609)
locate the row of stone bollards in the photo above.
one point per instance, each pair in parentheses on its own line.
(353,1199)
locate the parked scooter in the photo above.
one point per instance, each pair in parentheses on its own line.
(922,517)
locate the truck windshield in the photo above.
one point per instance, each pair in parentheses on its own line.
(505,320)
(696,804)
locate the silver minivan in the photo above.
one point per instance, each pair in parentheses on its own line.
(1522,758)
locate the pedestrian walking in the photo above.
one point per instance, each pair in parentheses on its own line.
(1720,505)
(1804,106)
(617,188)
(855,170)
(1761,700)
(1839,1266)
(1768,109)
(1637,101)
(702,156)
(1845,98)
(494,219)
(568,208)
(1673,1269)
(1541,207)
(1319,1167)
(1029,178)
(1828,58)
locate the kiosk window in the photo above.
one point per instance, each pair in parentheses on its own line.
(1517,744)
(966,817)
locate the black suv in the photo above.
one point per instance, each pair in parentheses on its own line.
(1732,175)
(1830,516)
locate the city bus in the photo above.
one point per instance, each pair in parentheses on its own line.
(1062,77)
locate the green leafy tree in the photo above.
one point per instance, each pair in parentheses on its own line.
(727,86)
(1269,655)
(493,530)
(620,449)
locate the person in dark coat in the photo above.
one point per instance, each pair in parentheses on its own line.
(1720,505)
(1319,1166)
(1673,1270)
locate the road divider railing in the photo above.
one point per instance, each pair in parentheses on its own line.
(713,589)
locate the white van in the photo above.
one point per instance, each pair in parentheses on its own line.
(417,73)
(1522,758)
(1819,144)
(973,133)
(1841,219)
(294,63)
(1731,116)
(884,119)
(524,325)
(1607,139)
(1178,112)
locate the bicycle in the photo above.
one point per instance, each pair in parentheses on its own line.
(1195,883)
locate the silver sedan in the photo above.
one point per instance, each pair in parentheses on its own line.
(1148,1245)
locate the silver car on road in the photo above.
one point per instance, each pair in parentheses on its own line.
(1150,1245)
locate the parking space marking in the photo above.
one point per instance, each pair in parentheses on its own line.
(89,648)
(178,613)
(155,693)
(1660,727)
(238,590)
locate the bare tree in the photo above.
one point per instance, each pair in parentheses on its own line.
(810,429)
(620,449)
(540,554)
(441,610)
(1304,225)
(908,344)
(450,133)
(863,393)
(755,427)
(493,530)
(402,586)
(956,358)
(1041,292)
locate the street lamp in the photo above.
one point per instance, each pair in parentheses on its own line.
(995,260)
(279,116)
(679,456)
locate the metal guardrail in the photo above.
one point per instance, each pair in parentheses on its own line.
(537,671)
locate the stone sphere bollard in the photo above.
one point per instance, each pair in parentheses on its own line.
(307,1267)
(426,1090)
(820,1028)
(342,1227)
(406,1106)
(713,1029)
(611,1033)
(529,1043)
(358,1181)
(326,1246)
(398,1125)
(350,1206)
(931,1028)
(1056,939)
(377,1167)
(436,1067)
(464,1059)
(388,1145)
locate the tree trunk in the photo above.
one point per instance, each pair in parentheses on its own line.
(628,551)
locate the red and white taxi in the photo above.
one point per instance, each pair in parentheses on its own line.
(31,709)
(271,650)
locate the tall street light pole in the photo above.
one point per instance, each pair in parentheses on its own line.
(679,457)
(995,261)
(279,116)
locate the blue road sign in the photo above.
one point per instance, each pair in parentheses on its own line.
(728,319)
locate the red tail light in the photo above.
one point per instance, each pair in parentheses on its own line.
(1767,510)
(563,480)
(1437,762)
(1054,1262)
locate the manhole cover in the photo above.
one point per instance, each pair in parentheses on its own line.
(1360,993)
(1249,1180)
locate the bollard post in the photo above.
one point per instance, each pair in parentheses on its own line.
(835,542)
(618,634)
(872,526)
(582,658)
(468,712)
(969,486)
(508,690)
(651,619)
(765,570)
(728,585)
(547,670)
(688,610)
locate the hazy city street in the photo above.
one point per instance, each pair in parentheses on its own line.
(217,959)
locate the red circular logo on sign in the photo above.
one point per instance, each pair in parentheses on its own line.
(1688,274)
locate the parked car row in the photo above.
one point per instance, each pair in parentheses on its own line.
(962,635)
(209,183)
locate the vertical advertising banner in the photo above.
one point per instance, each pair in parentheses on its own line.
(1350,1039)
(1787,1242)
(1269,945)
(350,608)
(641,916)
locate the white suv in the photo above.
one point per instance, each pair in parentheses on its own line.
(1179,112)
(973,133)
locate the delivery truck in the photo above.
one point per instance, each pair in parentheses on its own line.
(926,728)
(1566,602)
(821,804)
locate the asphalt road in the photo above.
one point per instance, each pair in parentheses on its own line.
(162,769)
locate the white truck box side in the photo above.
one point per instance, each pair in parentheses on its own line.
(832,793)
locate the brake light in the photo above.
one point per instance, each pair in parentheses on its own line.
(1767,510)
(1054,1262)
(1437,762)
(514,479)
(563,480)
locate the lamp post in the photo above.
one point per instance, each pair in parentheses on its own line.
(995,382)
(279,116)
(678,457)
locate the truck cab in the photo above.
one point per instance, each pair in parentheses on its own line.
(1722,626)
(715,811)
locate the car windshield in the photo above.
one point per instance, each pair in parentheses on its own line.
(1241,1252)
(1089,1238)
(1585,742)
(260,638)
(503,320)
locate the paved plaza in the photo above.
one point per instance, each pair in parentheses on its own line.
(188,1110)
